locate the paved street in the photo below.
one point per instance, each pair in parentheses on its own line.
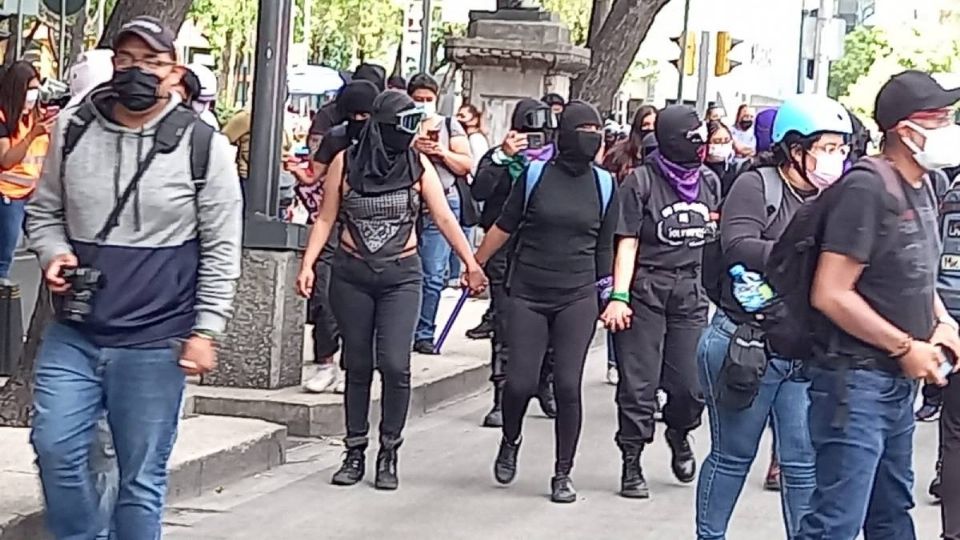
(447,490)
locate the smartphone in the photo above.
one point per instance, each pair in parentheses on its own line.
(50,112)
(535,140)
(434,135)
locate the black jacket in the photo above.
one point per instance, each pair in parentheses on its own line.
(491,186)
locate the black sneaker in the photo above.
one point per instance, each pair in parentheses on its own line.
(505,467)
(387,470)
(547,399)
(684,464)
(352,469)
(632,483)
(562,490)
(494,418)
(928,412)
(423,346)
(484,330)
(935,485)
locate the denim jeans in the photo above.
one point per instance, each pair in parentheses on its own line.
(106,475)
(735,437)
(434,256)
(141,391)
(864,458)
(11,224)
(455,265)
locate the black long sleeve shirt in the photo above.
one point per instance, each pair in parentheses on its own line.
(565,241)
(491,186)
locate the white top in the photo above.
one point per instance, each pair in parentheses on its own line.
(478,147)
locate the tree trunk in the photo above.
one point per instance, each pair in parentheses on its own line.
(614,50)
(170,12)
(16,396)
(598,16)
(78,35)
(227,55)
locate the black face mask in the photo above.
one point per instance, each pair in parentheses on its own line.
(354,127)
(394,140)
(136,88)
(644,133)
(579,146)
(746,124)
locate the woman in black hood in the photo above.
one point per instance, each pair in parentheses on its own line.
(564,235)
(375,189)
(668,211)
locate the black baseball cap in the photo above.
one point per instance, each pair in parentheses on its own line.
(908,93)
(150,29)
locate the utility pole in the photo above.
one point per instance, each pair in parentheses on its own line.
(686,28)
(821,61)
(704,76)
(425,36)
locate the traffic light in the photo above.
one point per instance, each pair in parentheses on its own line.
(688,47)
(725,44)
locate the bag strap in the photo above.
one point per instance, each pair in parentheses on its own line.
(79,123)
(201,141)
(772,191)
(605,184)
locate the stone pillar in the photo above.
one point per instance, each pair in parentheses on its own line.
(263,345)
(511,54)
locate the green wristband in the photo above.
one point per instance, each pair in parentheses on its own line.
(620,297)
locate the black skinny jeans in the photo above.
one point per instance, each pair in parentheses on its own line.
(660,350)
(326,334)
(564,321)
(377,309)
(950,450)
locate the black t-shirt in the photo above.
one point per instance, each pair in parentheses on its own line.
(335,141)
(899,246)
(326,118)
(672,232)
(563,243)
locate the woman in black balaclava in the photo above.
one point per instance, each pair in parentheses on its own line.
(668,211)
(375,189)
(564,235)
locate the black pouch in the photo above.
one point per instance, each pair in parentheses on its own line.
(743,367)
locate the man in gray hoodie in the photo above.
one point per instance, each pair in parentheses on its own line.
(167,245)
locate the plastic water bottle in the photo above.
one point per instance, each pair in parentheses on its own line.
(749,289)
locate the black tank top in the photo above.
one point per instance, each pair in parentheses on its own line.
(380,224)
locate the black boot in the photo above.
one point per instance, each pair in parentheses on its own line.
(505,468)
(546,398)
(353,467)
(684,464)
(387,469)
(562,490)
(494,418)
(632,483)
(937,482)
(484,330)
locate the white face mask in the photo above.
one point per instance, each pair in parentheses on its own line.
(720,152)
(33,96)
(941,149)
(429,108)
(200,107)
(829,169)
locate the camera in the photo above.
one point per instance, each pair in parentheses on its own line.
(536,140)
(84,283)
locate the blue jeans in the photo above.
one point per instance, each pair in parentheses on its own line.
(11,224)
(106,476)
(141,391)
(454,259)
(434,256)
(735,436)
(864,460)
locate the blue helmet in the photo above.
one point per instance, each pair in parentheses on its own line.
(809,114)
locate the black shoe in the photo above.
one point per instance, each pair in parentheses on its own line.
(387,470)
(353,467)
(505,468)
(547,400)
(936,483)
(562,490)
(632,483)
(494,418)
(928,412)
(684,464)
(423,346)
(484,330)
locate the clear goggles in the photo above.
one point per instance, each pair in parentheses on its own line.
(409,121)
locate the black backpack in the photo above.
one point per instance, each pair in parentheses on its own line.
(714,266)
(791,323)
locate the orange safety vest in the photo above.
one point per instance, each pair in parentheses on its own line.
(20,181)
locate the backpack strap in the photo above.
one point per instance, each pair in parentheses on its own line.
(79,123)
(533,176)
(772,191)
(891,179)
(200,142)
(605,184)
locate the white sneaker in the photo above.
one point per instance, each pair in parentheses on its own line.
(325,378)
(341,385)
(613,376)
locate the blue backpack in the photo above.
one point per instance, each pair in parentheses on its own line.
(604,179)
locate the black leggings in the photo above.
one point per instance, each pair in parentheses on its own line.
(565,322)
(326,335)
(950,451)
(376,309)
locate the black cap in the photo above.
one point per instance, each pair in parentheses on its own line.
(150,29)
(908,93)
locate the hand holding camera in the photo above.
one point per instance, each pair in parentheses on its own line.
(54,274)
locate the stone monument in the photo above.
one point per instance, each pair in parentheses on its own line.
(516,52)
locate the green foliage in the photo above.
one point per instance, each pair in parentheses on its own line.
(575,13)
(347,31)
(862,47)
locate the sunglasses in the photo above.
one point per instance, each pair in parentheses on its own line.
(409,121)
(540,119)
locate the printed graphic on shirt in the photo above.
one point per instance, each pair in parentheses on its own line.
(684,223)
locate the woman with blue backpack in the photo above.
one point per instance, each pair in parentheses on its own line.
(558,213)
(744,383)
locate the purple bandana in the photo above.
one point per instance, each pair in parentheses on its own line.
(539,154)
(685,181)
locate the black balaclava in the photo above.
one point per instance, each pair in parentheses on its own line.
(524,106)
(577,149)
(674,123)
(356,97)
(382,160)
(373,73)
